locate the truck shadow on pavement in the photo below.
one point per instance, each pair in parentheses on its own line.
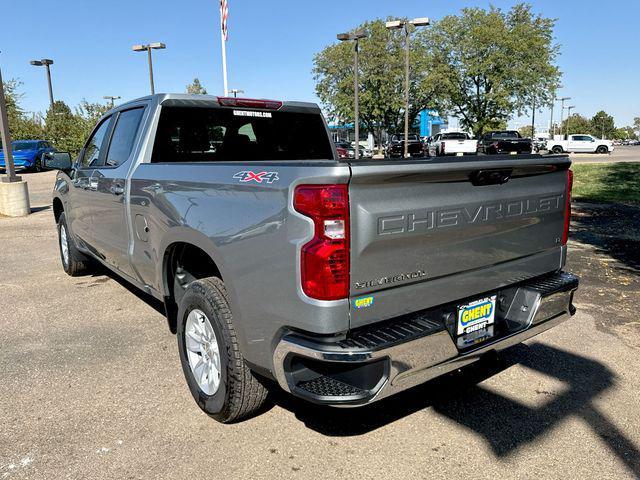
(614,229)
(504,423)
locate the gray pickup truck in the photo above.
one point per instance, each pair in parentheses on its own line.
(342,281)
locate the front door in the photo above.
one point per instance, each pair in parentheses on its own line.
(83,184)
(110,220)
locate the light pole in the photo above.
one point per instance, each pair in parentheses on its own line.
(46,62)
(147,48)
(235,92)
(562,100)
(112,99)
(406,25)
(569,108)
(355,37)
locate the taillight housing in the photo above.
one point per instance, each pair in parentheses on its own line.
(567,207)
(324,260)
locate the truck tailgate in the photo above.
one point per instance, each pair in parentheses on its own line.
(423,234)
(460,146)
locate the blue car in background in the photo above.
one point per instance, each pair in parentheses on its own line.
(28,154)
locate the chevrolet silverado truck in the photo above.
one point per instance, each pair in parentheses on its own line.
(452,143)
(279,263)
(580,144)
(507,141)
(395,146)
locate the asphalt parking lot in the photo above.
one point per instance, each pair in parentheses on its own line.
(92,386)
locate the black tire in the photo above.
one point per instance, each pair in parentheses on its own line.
(602,149)
(37,165)
(76,263)
(557,149)
(240,394)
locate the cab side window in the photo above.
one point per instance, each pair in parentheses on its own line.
(123,136)
(94,147)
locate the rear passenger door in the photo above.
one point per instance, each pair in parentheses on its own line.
(110,220)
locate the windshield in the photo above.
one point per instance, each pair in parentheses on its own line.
(23,146)
(455,136)
(218,134)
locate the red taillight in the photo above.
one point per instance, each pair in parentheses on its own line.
(567,207)
(324,260)
(342,152)
(249,103)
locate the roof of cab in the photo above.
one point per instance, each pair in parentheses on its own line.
(187,99)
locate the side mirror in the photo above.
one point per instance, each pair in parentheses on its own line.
(58,161)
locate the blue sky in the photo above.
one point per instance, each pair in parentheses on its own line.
(272,44)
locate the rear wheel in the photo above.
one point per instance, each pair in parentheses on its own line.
(602,149)
(74,262)
(218,377)
(557,149)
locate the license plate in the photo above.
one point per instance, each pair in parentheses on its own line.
(477,316)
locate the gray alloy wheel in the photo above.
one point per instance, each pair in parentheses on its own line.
(203,351)
(64,246)
(602,149)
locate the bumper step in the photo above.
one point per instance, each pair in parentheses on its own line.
(378,360)
(329,387)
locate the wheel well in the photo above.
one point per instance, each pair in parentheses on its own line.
(57,208)
(184,263)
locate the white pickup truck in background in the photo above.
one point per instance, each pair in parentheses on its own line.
(452,143)
(580,144)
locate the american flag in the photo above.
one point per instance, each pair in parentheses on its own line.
(224,14)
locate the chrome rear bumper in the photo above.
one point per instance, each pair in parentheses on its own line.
(372,364)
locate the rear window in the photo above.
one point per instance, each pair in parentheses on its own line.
(455,136)
(509,134)
(219,134)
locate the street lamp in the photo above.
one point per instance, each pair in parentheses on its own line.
(406,25)
(569,108)
(563,99)
(235,91)
(46,62)
(355,37)
(147,48)
(112,99)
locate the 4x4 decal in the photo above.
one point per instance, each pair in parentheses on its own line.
(259,177)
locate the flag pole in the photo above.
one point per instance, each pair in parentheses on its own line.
(223,41)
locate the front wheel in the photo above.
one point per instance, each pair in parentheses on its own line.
(74,262)
(557,149)
(602,149)
(218,377)
(37,165)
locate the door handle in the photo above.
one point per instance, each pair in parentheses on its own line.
(116,189)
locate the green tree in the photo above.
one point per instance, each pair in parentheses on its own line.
(64,129)
(526,131)
(625,133)
(636,124)
(602,125)
(196,88)
(576,124)
(21,125)
(381,80)
(488,64)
